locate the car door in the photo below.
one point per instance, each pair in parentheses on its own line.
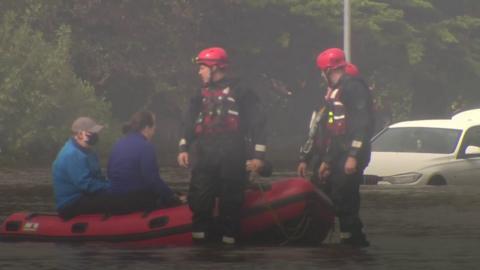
(468,165)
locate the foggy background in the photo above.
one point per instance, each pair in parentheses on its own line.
(104,58)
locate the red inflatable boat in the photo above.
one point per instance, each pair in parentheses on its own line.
(286,210)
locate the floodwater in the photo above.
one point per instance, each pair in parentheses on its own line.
(408,227)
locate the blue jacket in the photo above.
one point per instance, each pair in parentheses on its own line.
(132,166)
(76,171)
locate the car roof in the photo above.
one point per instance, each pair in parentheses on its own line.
(441,123)
(462,120)
(467,115)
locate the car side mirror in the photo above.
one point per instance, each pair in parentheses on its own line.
(472,150)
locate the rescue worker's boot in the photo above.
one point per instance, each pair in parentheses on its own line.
(357,239)
(202,229)
(229,240)
(199,237)
(207,232)
(230,230)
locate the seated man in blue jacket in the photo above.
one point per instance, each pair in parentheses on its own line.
(79,186)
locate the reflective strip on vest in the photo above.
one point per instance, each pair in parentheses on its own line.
(260,148)
(356,144)
(334,93)
(336,114)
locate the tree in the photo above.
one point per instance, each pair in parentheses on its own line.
(40,95)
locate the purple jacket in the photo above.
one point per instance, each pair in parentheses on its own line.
(132,166)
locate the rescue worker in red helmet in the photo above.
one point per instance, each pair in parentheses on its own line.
(352,70)
(348,130)
(220,117)
(314,147)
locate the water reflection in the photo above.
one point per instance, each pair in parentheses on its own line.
(61,256)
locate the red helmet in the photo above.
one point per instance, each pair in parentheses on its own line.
(352,70)
(214,56)
(332,58)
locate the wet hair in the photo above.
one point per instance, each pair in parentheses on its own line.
(138,121)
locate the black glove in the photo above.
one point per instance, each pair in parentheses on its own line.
(266,170)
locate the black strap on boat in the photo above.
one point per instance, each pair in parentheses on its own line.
(290,234)
(147,212)
(106,216)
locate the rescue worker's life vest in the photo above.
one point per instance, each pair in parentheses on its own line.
(336,122)
(219,113)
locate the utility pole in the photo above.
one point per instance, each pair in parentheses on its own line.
(346,28)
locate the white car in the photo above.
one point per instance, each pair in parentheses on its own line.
(427,152)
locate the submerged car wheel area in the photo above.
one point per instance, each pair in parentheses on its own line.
(427,152)
(437,180)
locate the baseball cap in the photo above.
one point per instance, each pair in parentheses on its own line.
(86,124)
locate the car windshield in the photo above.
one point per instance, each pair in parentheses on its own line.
(417,140)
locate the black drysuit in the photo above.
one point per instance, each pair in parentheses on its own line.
(354,142)
(218,158)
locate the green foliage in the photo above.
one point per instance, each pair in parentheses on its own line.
(284,40)
(415,51)
(40,94)
(426,4)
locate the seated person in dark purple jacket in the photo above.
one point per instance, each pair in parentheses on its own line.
(133,171)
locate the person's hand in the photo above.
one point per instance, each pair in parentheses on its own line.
(254,165)
(302,169)
(350,165)
(183,198)
(172,201)
(324,171)
(183,159)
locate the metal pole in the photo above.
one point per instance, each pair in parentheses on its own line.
(346,28)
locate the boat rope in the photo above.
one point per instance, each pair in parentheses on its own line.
(331,236)
(290,234)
